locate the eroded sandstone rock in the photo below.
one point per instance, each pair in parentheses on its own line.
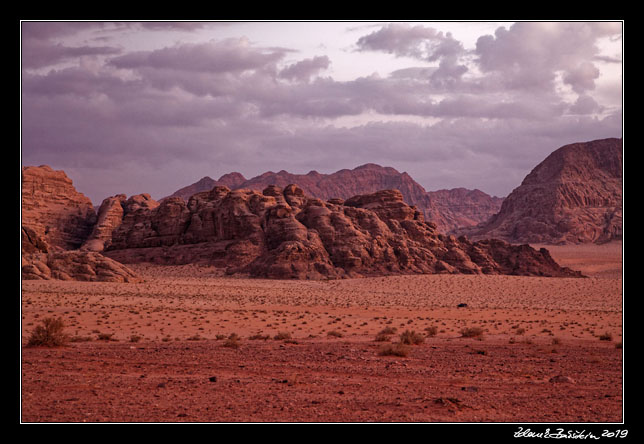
(283,233)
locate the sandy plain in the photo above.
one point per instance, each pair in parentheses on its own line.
(157,351)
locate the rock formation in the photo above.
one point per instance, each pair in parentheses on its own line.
(40,261)
(53,209)
(283,233)
(448,209)
(111,214)
(56,220)
(573,196)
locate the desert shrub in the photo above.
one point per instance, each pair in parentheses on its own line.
(380,337)
(472,332)
(282,335)
(410,337)
(49,334)
(135,338)
(385,334)
(105,336)
(397,349)
(606,337)
(335,334)
(431,331)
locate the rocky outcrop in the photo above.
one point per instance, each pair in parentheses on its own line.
(40,261)
(56,220)
(111,214)
(448,209)
(53,209)
(283,233)
(573,196)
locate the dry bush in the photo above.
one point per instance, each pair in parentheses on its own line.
(431,331)
(606,337)
(385,334)
(335,334)
(49,334)
(471,332)
(410,337)
(397,349)
(259,336)
(282,335)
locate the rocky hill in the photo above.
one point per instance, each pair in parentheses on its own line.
(573,196)
(283,233)
(448,209)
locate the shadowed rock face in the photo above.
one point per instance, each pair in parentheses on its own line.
(283,233)
(573,196)
(448,209)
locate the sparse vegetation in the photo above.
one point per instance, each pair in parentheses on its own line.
(397,349)
(431,331)
(385,334)
(606,337)
(472,332)
(49,334)
(335,334)
(105,336)
(259,336)
(282,335)
(410,337)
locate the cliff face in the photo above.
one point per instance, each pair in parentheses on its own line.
(573,196)
(448,209)
(53,209)
(283,233)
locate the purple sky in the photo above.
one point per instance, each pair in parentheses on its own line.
(133,107)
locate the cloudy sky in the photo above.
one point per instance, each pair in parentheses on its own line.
(134,107)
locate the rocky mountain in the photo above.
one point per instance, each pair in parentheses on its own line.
(283,233)
(56,220)
(573,196)
(448,209)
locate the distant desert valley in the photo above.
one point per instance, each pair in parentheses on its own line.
(355,296)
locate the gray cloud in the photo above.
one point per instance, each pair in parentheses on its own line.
(230,55)
(39,45)
(304,69)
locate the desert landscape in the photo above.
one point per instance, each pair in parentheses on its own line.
(309,351)
(347,294)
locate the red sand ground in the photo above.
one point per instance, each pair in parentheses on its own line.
(167,360)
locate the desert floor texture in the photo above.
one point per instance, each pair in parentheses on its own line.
(159,351)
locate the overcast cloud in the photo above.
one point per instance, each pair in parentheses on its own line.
(152,107)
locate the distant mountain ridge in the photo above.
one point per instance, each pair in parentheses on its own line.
(448,209)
